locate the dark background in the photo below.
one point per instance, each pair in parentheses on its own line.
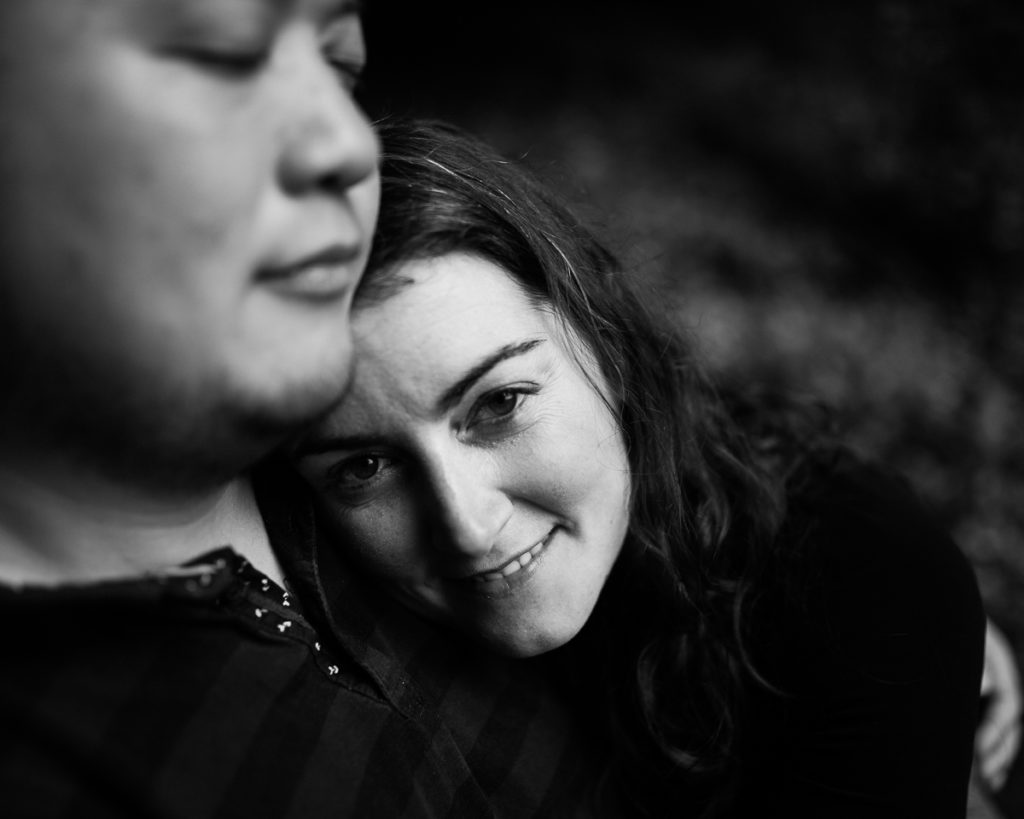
(831,195)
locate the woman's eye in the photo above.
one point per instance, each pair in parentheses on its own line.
(499,404)
(359,469)
(360,472)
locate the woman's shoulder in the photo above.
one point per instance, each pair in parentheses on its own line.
(870,564)
(874,653)
(856,515)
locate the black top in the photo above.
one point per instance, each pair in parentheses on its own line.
(867,626)
(876,643)
(210,692)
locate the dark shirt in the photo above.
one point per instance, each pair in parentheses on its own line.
(868,628)
(874,639)
(871,630)
(210,691)
(201,693)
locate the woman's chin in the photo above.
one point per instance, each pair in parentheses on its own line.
(523,644)
(502,629)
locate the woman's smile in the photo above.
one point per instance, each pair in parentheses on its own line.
(511,575)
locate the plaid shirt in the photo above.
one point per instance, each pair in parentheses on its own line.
(210,691)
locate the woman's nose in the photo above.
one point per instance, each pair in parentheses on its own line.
(471,508)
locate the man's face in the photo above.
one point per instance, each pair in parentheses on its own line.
(188,195)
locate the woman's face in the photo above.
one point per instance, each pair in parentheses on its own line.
(472,467)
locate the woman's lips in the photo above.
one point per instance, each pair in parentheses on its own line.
(511,571)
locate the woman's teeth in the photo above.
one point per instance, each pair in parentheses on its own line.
(512,566)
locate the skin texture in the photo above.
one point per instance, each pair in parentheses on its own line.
(426,494)
(169,159)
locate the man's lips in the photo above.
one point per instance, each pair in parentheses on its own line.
(321,276)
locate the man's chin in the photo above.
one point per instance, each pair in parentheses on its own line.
(226,437)
(290,411)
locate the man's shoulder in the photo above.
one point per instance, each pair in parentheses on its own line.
(205,695)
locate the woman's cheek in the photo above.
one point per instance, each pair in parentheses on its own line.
(380,536)
(581,474)
(553,473)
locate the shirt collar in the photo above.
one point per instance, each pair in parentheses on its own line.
(375,632)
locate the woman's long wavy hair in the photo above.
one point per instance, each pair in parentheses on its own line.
(669,641)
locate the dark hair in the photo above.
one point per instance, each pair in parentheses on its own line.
(704,511)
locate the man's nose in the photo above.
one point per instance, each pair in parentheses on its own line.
(328,142)
(471,509)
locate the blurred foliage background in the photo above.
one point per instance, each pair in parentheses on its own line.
(830,195)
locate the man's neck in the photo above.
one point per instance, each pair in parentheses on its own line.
(58,531)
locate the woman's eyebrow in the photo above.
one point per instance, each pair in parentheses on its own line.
(455,392)
(451,396)
(331,443)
